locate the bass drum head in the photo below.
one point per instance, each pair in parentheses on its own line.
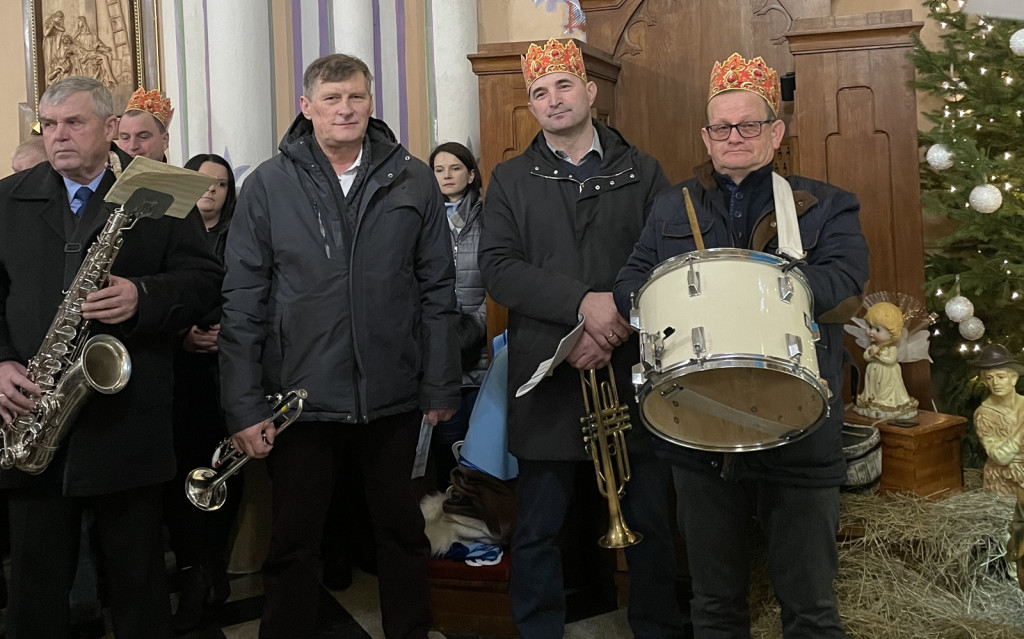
(795,403)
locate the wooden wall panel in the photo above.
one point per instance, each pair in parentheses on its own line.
(667,48)
(856,118)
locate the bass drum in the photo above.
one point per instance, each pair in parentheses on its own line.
(727,361)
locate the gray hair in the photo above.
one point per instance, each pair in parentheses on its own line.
(102,101)
(336,67)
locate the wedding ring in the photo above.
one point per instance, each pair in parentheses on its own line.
(2,396)
(611,335)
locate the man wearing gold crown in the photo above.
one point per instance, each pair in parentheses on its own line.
(142,129)
(558,222)
(791,492)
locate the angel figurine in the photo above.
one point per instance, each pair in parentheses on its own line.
(886,344)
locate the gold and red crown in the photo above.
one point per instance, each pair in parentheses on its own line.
(754,76)
(152,103)
(552,58)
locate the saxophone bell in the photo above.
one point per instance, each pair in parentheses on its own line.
(605,422)
(205,487)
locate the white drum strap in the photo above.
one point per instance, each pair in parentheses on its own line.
(790,244)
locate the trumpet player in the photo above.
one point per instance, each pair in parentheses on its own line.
(340,281)
(118,451)
(558,222)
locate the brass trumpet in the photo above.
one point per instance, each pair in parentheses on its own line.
(605,423)
(205,487)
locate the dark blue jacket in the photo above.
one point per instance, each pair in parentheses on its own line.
(837,271)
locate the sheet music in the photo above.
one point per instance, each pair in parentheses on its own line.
(185,186)
(548,366)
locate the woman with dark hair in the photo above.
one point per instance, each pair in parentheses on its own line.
(199,539)
(459,179)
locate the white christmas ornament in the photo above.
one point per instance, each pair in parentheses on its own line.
(972,328)
(985,198)
(939,157)
(959,308)
(1017,43)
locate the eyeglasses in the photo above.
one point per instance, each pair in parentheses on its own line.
(721,132)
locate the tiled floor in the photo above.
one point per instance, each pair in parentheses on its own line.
(353,614)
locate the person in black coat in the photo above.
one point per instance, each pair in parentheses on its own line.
(340,281)
(791,492)
(558,223)
(200,539)
(119,450)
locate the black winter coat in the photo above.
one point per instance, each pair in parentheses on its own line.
(547,241)
(366,324)
(119,441)
(837,272)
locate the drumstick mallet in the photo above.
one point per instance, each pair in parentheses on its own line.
(692,215)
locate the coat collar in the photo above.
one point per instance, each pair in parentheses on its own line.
(45,186)
(766,228)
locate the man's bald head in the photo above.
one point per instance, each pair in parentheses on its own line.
(28,154)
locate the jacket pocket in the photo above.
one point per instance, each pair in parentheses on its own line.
(677,229)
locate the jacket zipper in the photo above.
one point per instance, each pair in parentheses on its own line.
(360,403)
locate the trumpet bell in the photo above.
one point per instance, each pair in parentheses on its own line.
(198,491)
(620,537)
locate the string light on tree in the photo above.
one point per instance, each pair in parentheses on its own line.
(985,198)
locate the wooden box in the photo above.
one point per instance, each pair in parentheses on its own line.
(471,599)
(922,459)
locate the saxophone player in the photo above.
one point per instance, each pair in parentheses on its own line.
(118,450)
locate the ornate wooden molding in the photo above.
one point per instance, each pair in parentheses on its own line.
(767,6)
(641,18)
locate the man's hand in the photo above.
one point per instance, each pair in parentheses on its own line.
(115,303)
(601,319)
(198,340)
(436,415)
(256,441)
(588,353)
(15,391)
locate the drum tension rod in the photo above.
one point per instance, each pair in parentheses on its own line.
(792,264)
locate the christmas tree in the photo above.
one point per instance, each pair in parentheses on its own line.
(973,177)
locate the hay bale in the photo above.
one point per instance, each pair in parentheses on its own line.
(917,569)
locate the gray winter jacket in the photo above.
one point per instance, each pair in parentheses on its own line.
(469,284)
(361,315)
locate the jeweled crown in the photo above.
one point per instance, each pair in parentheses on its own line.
(153,103)
(551,58)
(754,76)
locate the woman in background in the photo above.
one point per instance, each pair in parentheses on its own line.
(199,539)
(457,175)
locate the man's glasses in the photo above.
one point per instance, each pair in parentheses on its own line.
(721,132)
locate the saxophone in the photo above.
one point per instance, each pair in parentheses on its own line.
(70,364)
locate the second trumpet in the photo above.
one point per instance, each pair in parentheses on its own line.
(205,487)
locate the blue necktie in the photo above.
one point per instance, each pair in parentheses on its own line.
(82,196)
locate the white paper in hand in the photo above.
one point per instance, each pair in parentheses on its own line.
(545,368)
